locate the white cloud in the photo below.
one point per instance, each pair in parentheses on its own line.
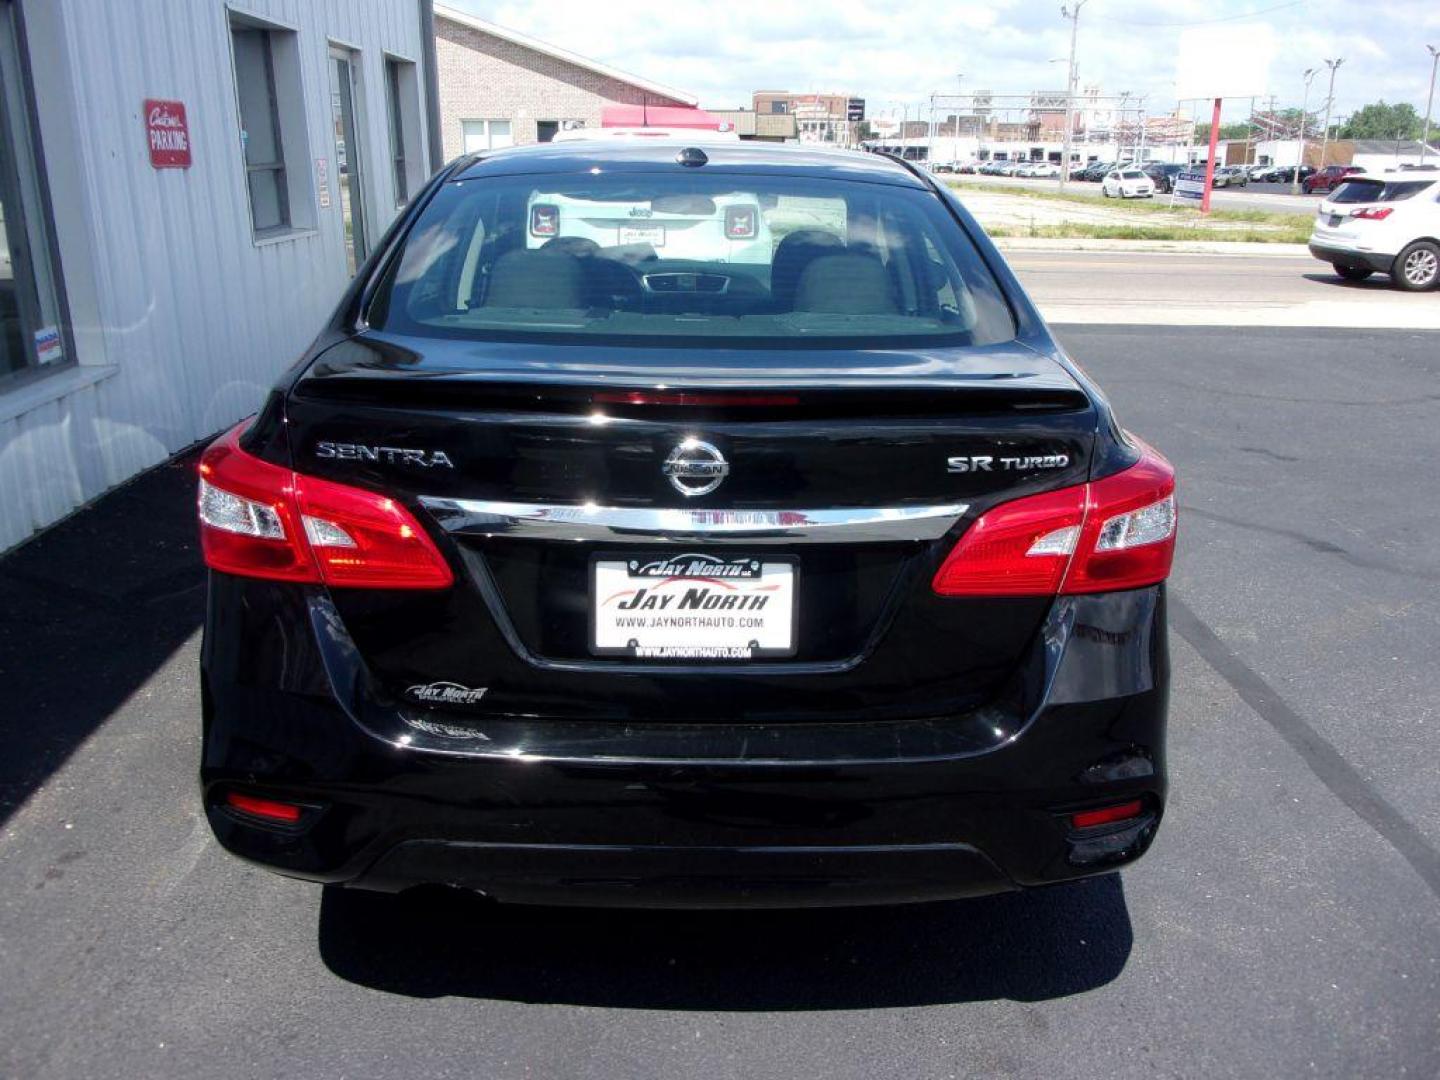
(722,52)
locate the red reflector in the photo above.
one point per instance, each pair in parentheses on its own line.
(1105,536)
(659,397)
(544,220)
(283,812)
(1107,814)
(265,521)
(740,222)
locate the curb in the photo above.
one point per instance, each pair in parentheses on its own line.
(1245,248)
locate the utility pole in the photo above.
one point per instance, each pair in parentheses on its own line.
(1073,14)
(1329,101)
(1429,102)
(1304,129)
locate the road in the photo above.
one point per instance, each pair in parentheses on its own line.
(1275,198)
(1163,289)
(1286,922)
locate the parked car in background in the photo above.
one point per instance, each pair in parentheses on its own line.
(1077,171)
(1127,182)
(1382,224)
(1043,169)
(1163,175)
(1260,173)
(1096,170)
(1231,176)
(1285,174)
(687,624)
(1328,178)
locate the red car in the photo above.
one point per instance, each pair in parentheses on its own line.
(1327,178)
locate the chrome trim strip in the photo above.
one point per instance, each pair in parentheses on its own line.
(854,525)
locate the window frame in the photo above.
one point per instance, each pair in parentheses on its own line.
(285,89)
(488,121)
(21,135)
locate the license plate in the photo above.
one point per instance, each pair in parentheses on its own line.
(693,606)
(1336,219)
(654,235)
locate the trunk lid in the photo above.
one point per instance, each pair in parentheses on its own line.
(856,470)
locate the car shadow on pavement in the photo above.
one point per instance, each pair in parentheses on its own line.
(1377,283)
(1028,946)
(89,610)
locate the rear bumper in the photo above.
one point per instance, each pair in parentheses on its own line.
(706,814)
(1348,257)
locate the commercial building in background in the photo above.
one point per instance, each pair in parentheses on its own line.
(1375,155)
(500,88)
(186,188)
(829,118)
(750,125)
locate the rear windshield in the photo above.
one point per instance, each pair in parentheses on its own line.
(1132,174)
(692,258)
(1369,190)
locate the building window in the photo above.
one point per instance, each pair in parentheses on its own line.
(402,94)
(486,134)
(271,105)
(31,332)
(260,130)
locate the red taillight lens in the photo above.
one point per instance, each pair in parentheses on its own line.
(1104,536)
(282,813)
(1374,213)
(1107,814)
(261,520)
(740,222)
(544,220)
(1019,548)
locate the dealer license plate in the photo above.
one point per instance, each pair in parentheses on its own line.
(693,606)
(654,235)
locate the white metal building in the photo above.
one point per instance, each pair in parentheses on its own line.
(186,188)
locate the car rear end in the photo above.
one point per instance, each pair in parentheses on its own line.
(1369,222)
(830,583)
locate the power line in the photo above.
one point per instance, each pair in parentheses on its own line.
(1200,22)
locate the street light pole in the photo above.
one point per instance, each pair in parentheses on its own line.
(1074,16)
(1304,124)
(1429,101)
(1329,101)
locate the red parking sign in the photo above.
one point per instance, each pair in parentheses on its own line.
(167,133)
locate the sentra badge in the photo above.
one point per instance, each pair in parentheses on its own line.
(389,455)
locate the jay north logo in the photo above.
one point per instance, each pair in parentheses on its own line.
(696,566)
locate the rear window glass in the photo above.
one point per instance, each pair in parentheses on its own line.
(1132,174)
(694,258)
(1364,191)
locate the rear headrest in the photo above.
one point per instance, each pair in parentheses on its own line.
(536,279)
(845,284)
(791,257)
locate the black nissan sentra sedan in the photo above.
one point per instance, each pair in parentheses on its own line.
(674,525)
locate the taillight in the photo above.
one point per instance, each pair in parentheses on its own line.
(740,222)
(1104,536)
(544,220)
(1374,213)
(262,520)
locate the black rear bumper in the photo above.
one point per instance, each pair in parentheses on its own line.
(705,814)
(1353,260)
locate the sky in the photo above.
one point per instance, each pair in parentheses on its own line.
(720,52)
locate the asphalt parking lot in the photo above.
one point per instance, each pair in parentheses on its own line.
(1286,923)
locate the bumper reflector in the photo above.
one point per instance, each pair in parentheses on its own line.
(281,813)
(1107,814)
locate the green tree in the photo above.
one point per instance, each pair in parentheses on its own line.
(1381,121)
(1238,130)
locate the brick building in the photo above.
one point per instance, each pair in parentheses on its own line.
(502,88)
